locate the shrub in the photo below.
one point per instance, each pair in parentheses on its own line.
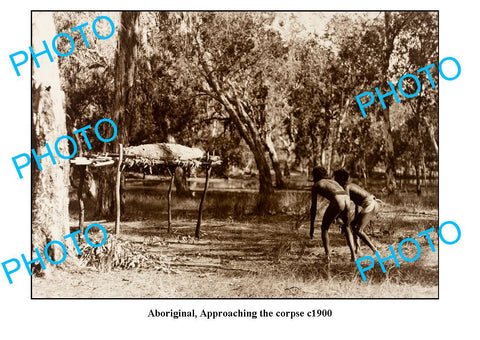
(116,253)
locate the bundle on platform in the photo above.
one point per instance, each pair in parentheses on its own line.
(165,151)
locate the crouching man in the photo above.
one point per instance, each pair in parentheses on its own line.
(363,200)
(339,207)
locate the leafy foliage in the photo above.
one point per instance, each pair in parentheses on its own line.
(295,88)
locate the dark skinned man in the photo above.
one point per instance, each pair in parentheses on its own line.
(339,207)
(362,199)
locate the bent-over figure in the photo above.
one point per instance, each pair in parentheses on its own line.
(339,207)
(363,199)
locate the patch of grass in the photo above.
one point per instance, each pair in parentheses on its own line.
(242,255)
(412,201)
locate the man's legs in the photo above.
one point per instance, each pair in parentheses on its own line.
(355,224)
(347,215)
(364,219)
(330,214)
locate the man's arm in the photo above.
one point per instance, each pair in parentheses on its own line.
(313,211)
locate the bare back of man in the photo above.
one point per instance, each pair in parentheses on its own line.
(339,207)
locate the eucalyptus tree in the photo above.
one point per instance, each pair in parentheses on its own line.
(233,60)
(49,186)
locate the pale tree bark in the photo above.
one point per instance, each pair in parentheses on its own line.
(125,59)
(431,134)
(316,154)
(324,142)
(49,186)
(279,183)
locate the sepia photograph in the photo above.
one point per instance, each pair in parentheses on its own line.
(233,154)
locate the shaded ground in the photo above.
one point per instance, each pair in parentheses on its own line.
(251,256)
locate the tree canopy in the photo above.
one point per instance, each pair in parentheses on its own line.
(265,87)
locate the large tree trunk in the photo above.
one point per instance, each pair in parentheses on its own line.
(49,186)
(279,183)
(251,135)
(265,181)
(125,58)
(235,106)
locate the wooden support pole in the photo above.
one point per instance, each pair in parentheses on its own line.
(169,199)
(81,204)
(117,190)
(200,208)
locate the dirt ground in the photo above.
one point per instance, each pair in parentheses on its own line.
(255,257)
